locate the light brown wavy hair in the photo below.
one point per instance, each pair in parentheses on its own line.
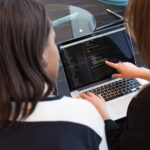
(138,18)
(24,30)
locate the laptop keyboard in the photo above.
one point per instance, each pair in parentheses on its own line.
(116,89)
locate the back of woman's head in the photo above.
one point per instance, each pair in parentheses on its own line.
(24,30)
(138,15)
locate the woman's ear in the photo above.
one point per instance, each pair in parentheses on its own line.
(51,57)
(44,63)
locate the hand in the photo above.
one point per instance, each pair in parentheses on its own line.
(125,70)
(98,102)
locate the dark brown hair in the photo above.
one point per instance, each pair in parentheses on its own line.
(138,16)
(24,30)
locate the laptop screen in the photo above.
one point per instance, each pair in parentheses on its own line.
(84,58)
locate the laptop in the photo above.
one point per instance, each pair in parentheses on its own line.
(83,60)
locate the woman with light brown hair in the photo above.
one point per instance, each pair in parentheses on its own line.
(135,135)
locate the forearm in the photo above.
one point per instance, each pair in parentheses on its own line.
(143,73)
(104,114)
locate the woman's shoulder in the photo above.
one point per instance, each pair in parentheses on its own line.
(82,108)
(80,105)
(69,104)
(69,109)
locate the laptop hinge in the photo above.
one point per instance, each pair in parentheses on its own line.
(94,84)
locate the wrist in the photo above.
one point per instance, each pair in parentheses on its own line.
(106,117)
(104,114)
(144,73)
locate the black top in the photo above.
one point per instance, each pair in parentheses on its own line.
(49,136)
(60,123)
(136,134)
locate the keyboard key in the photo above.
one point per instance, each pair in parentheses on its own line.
(116,96)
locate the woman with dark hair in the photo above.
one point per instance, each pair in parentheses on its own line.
(135,135)
(31,117)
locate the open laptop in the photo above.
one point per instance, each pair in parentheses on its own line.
(83,60)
